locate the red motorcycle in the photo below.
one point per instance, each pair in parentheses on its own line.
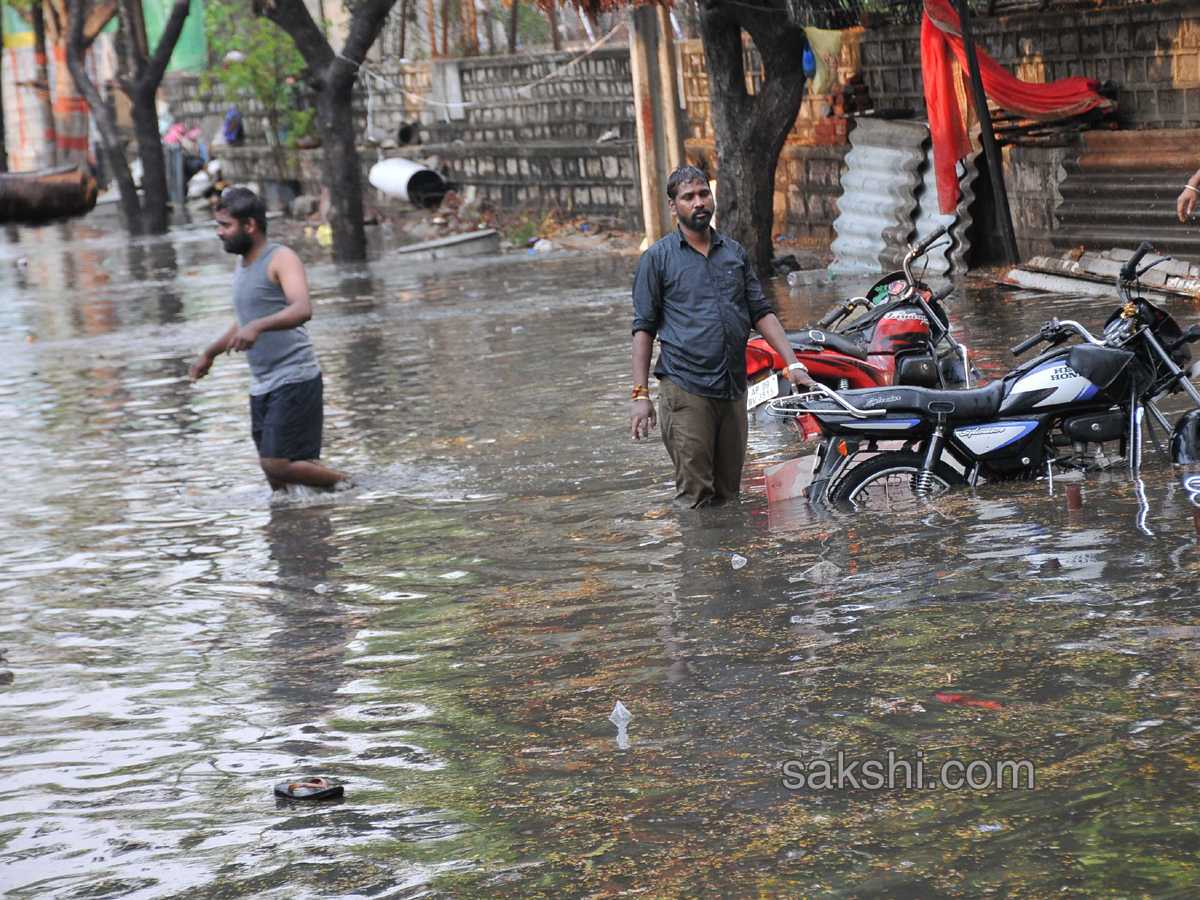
(902,338)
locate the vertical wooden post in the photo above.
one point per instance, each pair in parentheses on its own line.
(431,14)
(555,37)
(470,29)
(991,150)
(668,80)
(643,59)
(512,26)
(3,137)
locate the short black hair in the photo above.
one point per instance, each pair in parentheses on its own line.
(684,175)
(242,203)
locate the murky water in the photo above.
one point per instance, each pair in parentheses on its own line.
(449,638)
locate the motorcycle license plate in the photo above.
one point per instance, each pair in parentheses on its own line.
(762,391)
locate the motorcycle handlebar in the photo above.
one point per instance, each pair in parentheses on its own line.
(1129,269)
(833,315)
(921,246)
(1028,343)
(942,294)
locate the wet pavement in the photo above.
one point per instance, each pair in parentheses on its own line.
(449,638)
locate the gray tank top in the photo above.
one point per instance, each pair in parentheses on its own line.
(277,357)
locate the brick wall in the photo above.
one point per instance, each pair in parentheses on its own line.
(1152,52)
(694,73)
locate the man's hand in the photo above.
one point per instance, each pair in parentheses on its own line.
(1186,203)
(800,379)
(642,419)
(244,338)
(199,367)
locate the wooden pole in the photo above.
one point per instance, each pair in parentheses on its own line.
(668,80)
(470,28)
(3,141)
(643,57)
(512,26)
(991,150)
(431,15)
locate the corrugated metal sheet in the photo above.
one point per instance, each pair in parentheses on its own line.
(1121,190)
(951,258)
(878,199)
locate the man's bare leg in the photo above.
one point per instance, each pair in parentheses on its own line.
(282,472)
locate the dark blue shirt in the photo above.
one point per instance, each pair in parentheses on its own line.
(702,310)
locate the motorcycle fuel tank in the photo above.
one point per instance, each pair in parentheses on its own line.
(901,329)
(1053,383)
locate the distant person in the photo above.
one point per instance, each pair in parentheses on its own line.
(271,301)
(697,292)
(1187,200)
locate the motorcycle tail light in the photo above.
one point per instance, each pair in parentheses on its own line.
(808,427)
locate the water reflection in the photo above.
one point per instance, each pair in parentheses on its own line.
(450,638)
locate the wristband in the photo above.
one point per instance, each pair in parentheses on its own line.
(797,365)
(1188,187)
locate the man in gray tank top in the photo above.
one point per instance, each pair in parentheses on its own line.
(271,301)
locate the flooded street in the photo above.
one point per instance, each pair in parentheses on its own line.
(449,637)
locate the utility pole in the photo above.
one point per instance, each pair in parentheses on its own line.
(3,141)
(991,150)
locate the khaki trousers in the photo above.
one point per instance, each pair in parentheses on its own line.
(707,442)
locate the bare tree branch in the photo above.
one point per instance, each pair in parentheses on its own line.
(98,16)
(157,64)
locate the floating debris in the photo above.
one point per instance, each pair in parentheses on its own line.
(621,717)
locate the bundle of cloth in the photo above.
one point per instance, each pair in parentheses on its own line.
(948,95)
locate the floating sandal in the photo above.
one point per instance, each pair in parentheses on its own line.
(312,789)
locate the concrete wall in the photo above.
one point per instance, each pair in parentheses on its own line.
(1033,176)
(1152,52)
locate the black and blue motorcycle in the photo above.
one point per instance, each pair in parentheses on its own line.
(1063,410)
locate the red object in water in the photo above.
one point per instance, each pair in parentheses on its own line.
(944,67)
(968,700)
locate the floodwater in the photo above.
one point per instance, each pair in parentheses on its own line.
(449,638)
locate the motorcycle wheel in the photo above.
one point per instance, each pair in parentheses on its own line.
(888,480)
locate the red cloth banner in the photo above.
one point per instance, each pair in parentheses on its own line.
(948,95)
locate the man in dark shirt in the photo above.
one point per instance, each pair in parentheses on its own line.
(697,292)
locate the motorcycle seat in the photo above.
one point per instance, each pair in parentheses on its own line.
(976,403)
(815,339)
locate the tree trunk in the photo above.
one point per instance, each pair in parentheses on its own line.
(32,198)
(47,151)
(512,26)
(750,131)
(445,27)
(111,144)
(555,37)
(154,167)
(333,76)
(342,173)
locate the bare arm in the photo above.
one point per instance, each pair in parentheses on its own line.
(200,366)
(287,271)
(1187,200)
(643,417)
(771,329)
